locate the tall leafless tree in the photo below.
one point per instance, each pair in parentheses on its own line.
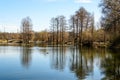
(26,30)
(58,28)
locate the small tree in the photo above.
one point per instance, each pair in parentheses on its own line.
(26,30)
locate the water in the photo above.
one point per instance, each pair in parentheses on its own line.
(67,63)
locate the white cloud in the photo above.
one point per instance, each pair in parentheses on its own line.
(83,1)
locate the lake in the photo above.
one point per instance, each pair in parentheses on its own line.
(58,63)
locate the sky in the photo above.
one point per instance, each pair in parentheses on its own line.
(41,11)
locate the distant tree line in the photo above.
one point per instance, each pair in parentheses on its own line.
(79,30)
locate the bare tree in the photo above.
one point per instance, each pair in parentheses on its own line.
(58,28)
(72,27)
(52,29)
(81,23)
(82,18)
(62,26)
(26,30)
(92,28)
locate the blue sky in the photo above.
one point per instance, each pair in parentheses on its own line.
(41,11)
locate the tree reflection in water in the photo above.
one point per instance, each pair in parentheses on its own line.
(81,62)
(111,66)
(58,58)
(26,56)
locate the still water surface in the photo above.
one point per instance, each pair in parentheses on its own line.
(62,63)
